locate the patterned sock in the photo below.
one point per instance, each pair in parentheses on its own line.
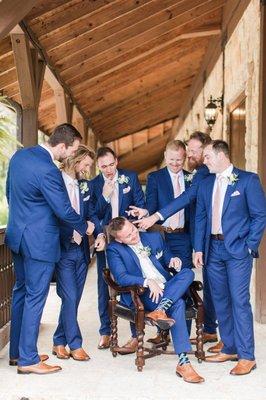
(183,359)
(164,304)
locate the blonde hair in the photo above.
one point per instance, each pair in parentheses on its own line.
(68,165)
(175,145)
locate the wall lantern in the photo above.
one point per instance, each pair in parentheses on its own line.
(211,110)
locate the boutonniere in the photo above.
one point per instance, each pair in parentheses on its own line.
(122,179)
(189,178)
(232,179)
(83,187)
(144,251)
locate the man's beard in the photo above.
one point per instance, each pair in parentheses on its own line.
(193,164)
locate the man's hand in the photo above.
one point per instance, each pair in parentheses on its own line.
(99,243)
(198,259)
(155,290)
(90,228)
(108,188)
(175,263)
(146,223)
(137,212)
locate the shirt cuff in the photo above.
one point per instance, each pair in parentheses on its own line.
(107,199)
(159,215)
(145,283)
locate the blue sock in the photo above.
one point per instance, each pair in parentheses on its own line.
(183,359)
(164,304)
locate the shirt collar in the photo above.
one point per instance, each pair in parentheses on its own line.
(68,179)
(179,174)
(47,149)
(227,172)
(114,179)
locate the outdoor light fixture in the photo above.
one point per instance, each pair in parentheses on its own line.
(211,110)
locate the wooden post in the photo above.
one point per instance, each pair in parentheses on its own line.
(79,123)
(260,280)
(30,72)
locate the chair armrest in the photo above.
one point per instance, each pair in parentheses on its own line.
(121,289)
(195,287)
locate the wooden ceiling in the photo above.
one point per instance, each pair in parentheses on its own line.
(128,64)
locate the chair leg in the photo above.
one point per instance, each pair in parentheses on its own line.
(199,353)
(164,335)
(114,336)
(140,325)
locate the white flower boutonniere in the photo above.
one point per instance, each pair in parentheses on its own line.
(144,251)
(189,178)
(232,179)
(122,179)
(83,187)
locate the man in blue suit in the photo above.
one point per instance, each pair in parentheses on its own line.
(113,192)
(143,259)
(72,268)
(230,220)
(37,199)
(195,145)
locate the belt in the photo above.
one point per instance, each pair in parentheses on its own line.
(167,229)
(217,236)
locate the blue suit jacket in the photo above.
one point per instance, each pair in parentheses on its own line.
(87,212)
(124,263)
(132,197)
(37,198)
(159,192)
(187,198)
(243,216)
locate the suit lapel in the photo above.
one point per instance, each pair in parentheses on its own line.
(152,257)
(230,189)
(209,193)
(167,183)
(134,256)
(81,203)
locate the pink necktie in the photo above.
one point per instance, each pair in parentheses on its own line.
(74,202)
(114,201)
(174,219)
(216,206)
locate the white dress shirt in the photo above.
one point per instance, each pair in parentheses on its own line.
(226,174)
(115,179)
(149,271)
(181,213)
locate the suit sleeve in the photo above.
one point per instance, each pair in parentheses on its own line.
(138,195)
(167,255)
(185,198)
(91,215)
(257,211)
(7,187)
(119,271)
(55,193)
(151,195)
(200,222)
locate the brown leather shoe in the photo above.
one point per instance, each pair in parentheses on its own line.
(79,355)
(128,348)
(39,369)
(207,337)
(159,318)
(217,348)
(158,339)
(13,362)
(104,342)
(243,367)
(60,352)
(187,372)
(221,357)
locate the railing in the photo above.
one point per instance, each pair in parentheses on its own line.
(6,281)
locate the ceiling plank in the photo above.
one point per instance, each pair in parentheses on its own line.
(11,13)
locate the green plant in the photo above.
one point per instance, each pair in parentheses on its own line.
(8,143)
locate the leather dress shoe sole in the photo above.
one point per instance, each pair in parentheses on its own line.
(195,383)
(210,360)
(245,373)
(79,359)
(20,372)
(103,347)
(163,324)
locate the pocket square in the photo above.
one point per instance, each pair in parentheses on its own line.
(159,254)
(236,193)
(86,198)
(126,189)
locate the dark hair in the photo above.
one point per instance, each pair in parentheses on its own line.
(103,151)
(220,146)
(116,225)
(202,137)
(64,133)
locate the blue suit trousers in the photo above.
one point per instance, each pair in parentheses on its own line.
(71,272)
(229,280)
(103,296)
(29,295)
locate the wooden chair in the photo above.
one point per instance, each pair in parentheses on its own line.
(137,315)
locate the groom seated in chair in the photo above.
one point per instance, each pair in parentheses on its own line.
(141,258)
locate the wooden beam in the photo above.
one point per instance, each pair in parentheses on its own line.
(11,13)
(63,107)
(80,124)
